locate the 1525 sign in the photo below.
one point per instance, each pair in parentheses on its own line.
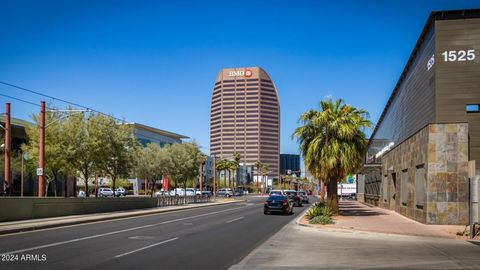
(459,56)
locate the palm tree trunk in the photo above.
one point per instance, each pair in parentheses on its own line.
(332,198)
(322,191)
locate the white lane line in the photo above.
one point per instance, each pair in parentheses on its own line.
(116,232)
(140,249)
(230,221)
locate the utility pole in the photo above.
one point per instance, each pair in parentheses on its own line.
(8,140)
(41,158)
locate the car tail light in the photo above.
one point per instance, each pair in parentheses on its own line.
(266,202)
(285,202)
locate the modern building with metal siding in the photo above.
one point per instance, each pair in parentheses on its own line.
(418,154)
(290,162)
(245,117)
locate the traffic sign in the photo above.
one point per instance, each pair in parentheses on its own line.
(39,171)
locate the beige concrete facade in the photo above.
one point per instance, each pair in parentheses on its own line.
(245,117)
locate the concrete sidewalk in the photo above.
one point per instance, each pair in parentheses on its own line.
(43,223)
(364,238)
(360,217)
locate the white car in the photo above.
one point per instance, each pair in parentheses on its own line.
(177,192)
(162,193)
(105,192)
(193,191)
(120,192)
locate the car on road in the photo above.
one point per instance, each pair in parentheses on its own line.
(293,195)
(304,196)
(225,192)
(105,192)
(120,192)
(276,192)
(279,204)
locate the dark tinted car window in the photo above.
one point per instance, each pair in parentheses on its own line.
(276,198)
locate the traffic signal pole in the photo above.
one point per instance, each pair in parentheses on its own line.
(41,158)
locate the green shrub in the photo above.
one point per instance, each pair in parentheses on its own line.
(321,220)
(314,211)
(326,211)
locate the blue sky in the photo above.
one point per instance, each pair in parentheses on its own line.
(155,63)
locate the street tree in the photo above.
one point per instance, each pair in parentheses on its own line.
(150,164)
(184,160)
(332,142)
(55,163)
(119,143)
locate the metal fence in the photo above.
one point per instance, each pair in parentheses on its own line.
(167,200)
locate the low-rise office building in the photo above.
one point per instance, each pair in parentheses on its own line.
(418,154)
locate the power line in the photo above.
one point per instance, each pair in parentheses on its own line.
(59,99)
(21,100)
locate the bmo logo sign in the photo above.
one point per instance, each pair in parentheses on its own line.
(237,73)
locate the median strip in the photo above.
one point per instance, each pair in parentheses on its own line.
(150,246)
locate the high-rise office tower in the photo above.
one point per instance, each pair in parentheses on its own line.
(245,117)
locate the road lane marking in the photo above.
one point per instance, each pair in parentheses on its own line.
(140,249)
(230,221)
(116,232)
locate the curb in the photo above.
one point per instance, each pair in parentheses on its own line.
(115,215)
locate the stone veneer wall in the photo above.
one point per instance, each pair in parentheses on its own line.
(443,151)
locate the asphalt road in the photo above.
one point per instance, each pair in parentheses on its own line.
(205,238)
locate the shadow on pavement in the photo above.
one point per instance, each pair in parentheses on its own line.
(347,208)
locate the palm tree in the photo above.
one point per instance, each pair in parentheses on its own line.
(332,143)
(236,165)
(222,166)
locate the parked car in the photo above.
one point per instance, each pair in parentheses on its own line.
(239,192)
(304,196)
(105,192)
(120,192)
(193,191)
(293,195)
(162,193)
(276,192)
(278,203)
(225,192)
(177,192)
(207,193)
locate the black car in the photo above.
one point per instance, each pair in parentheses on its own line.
(279,204)
(294,196)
